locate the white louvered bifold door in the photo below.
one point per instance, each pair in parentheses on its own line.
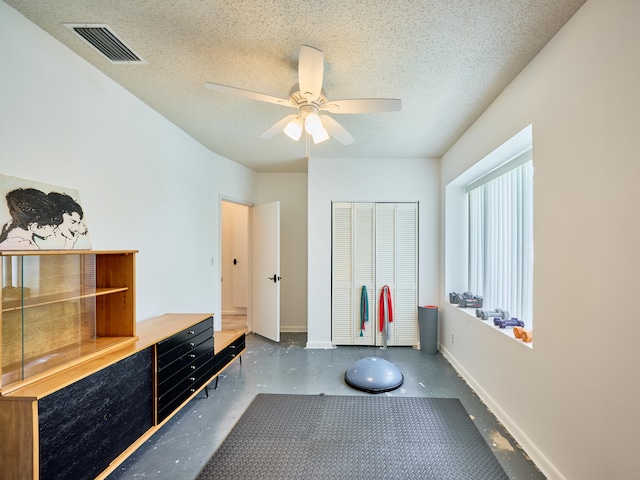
(386,262)
(406,295)
(374,244)
(352,268)
(341,274)
(363,271)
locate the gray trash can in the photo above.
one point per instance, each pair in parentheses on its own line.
(428,328)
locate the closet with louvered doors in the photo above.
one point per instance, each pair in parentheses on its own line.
(374,245)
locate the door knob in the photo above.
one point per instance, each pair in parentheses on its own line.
(275,278)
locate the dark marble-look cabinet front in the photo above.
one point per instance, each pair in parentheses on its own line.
(86,425)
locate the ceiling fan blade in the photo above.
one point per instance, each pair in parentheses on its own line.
(336,130)
(364,105)
(310,72)
(249,94)
(277,127)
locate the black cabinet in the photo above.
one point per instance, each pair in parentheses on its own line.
(229,353)
(185,363)
(79,422)
(86,425)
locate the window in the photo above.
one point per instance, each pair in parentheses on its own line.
(500,209)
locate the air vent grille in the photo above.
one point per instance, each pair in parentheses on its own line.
(105,41)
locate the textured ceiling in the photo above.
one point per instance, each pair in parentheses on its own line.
(446,60)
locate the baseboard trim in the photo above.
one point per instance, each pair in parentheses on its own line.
(541,461)
(323,345)
(293,329)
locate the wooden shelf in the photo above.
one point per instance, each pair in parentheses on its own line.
(43,253)
(32,302)
(52,378)
(156,329)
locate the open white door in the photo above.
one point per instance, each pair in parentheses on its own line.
(266,270)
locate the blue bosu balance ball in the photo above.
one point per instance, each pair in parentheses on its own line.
(374,375)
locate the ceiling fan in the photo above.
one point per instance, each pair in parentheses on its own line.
(309,99)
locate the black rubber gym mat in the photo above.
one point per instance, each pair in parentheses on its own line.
(353,437)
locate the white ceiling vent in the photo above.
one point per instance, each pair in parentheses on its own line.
(106,42)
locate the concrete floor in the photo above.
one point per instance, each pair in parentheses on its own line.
(182,446)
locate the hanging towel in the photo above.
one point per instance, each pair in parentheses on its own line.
(364,309)
(386,313)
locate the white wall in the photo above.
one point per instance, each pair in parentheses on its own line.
(367,180)
(291,190)
(571,401)
(144,184)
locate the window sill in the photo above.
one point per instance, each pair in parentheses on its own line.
(508,331)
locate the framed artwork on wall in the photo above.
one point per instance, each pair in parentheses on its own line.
(39,216)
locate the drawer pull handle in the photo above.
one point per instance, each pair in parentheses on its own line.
(193,379)
(191,332)
(192,355)
(193,367)
(192,390)
(233,355)
(191,344)
(232,346)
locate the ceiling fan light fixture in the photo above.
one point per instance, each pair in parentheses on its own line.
(293,130)
(313,124)
(320,136)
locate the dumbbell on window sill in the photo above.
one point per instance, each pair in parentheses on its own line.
(469,300)
(487,314)
(465,300)
(525,335)
(474,302)
(507,322)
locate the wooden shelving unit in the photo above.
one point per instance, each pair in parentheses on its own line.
(93,398)
(61,308)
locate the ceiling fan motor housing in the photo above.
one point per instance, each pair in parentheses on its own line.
(297,98)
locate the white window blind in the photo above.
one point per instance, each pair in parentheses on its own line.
(501,238)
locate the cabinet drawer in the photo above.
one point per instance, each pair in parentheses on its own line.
(184,365)
(185,336)
(171,398)
(186,347)
(226,356)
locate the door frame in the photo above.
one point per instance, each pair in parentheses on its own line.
(227,199)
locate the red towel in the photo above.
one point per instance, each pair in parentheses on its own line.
(385,298)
